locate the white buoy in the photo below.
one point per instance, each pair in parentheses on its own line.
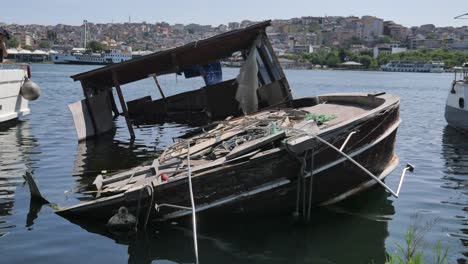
(30,90)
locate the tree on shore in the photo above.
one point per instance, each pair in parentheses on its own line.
(13,42)
(45,45)
(332,59)
(52,35)
(449,57)
(94,46)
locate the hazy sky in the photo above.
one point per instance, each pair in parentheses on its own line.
(214,12)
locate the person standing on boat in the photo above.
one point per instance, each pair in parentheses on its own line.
(4,35)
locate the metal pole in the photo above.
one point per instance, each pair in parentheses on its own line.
(192,200)
(357,164)
(346,141)
(122,104)
(408,167)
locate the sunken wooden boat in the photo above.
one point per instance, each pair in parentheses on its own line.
(258,149)
(259,161)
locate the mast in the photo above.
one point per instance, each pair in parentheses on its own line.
(85,24)
(461,16)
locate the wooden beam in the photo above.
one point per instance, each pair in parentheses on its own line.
(122,104)
(159,86)
(90,110)
(113,104)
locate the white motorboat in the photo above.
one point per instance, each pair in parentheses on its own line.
(16,90)
(456,112)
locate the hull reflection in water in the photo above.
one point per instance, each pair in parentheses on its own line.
(16,142)
(110,154)
(351,232)
(455,154)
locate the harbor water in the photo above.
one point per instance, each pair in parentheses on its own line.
(360,230)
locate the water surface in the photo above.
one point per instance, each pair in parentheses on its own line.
(360,230)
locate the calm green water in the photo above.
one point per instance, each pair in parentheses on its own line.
(360,230)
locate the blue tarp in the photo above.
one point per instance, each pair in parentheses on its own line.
(213,72)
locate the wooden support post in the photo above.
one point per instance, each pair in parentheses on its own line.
(122,104)
(113,104)
(159,86)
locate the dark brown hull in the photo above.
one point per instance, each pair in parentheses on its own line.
(270,181)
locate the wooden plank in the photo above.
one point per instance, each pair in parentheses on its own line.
(254,145)
(126,174)
(207,143)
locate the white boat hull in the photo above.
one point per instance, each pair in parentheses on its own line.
(12,104)
(456,109)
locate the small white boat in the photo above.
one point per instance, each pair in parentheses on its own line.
(16,89)
(456,112)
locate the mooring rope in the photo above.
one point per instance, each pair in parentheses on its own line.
(138,211)
(311,184)
(151,189)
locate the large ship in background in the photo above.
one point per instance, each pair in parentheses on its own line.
(410,66)
(86,57)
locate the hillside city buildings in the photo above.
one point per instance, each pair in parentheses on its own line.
(291,36)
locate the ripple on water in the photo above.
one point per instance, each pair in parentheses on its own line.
(359,231)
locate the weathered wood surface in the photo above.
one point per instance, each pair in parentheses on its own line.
(207,143)
(254,145)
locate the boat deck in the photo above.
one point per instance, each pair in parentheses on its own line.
(342,112)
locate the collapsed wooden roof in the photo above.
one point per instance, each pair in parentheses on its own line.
(172,60)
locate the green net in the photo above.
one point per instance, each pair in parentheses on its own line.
(319,118)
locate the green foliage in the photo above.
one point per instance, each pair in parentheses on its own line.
(431,36)
(316,58)
(51,35)
(332,59)
(27,47)
(335,57)
(365,60)
(440,254)
(412,251)
(449,57)
(367,52)
(13,42)
(94,45)
(384,39)
(45,45)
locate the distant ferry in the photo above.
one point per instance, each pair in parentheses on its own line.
(82,56)
(408,66)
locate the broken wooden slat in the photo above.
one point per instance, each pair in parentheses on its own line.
(125,175)
(254,145)
(207,143)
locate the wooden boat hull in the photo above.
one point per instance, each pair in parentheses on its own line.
(268,180)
